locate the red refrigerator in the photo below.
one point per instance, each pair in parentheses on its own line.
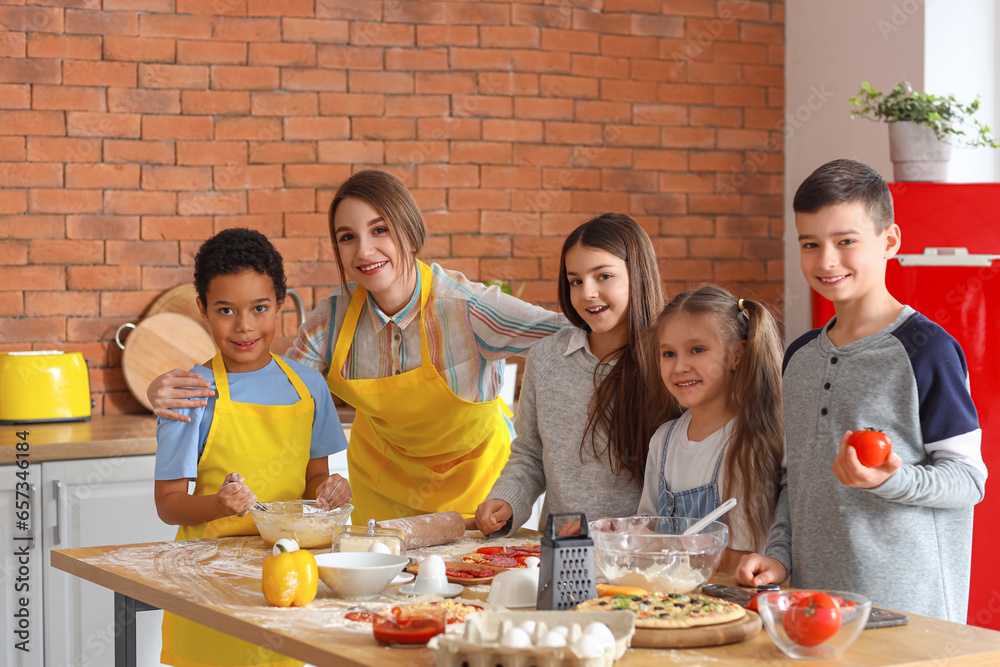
(948,268)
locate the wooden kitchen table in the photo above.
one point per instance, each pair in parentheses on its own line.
(217,582)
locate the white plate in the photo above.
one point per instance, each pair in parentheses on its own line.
(402,578)
(452,591)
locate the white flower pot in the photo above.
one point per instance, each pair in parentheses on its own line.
(916,153)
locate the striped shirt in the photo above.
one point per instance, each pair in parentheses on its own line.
(471,329)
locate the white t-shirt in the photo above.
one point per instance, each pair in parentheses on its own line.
(689,464)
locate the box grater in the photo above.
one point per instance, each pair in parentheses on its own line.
(566,576)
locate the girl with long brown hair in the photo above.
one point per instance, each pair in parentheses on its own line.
(720,359)
(589,400)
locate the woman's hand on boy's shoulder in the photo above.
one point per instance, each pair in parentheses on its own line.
(851,472)
(174,389)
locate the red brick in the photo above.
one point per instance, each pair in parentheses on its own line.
(139,100)
(540,154)
(350,104)
(597,111)
(751,139)
(542,61)
(718,117)
(379,82)
(510,177)
(629,180)
(24,71)
(287,55)
(31,19)
(448,83)
(538,108)
(125,305)
(247,29)
(450,35)
(606,21)
(101,278)
(126,202)
(200,7)
(45,45)
(279,201)
(766,34)
(13,45)
(64,201)
(764,75)
(29,226)
(246,177)
(383,128)
(685,137)
(416,59)
(211,52)
(314,30)
(156,228)
(211,203)
(104,227)
(284,104)
(214,102)
(32,329)
(575,41)
(447,176)
(417,105)
(253,129)
(279,7)
(713,203)
(232,77)
(15,96)
(480,59)
(140,5)
(350,57)
(599,66)
(30,278)
(510,269)
(537,246)
(601,155)
(101,23)
(480,245)
(141,49)
(313,79)
(477,199)
(77,98)
(11,304)
(50,149)
(508,83)
(67,252)
(84,73)
(481,152)
(569,86)
(725,73)
(369,152)
(142,253)
(176,178)
(317,128)
(282,151)
(510,37)
(656,70)
(656,204)
(685,94)
(573,133)
(32,123)
(92,124)
(382,34)
(193,77)
(31,175)
(628,91)
(687,183)
(437,129)
(211,152)
(556,178)
(549,16)
(498,129)
(309,224)
(13,148)
(266,224)
(14,252)
(143,152)
(175,26)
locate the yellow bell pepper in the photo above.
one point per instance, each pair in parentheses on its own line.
(290,578)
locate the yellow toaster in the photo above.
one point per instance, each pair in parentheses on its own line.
(43,386)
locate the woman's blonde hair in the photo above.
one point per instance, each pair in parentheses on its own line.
(393,202)
(752,462)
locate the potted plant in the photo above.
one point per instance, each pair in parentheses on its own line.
(922,128)
(510,369)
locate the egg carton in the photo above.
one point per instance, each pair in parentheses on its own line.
(479,646)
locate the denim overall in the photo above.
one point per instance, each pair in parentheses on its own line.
(694,503)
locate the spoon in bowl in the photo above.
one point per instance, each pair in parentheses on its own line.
(710,517)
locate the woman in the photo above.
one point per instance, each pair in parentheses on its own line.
(417,350)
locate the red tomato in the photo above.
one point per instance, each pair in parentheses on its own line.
(873,446)
(812,620)
(752,605)
(489,551)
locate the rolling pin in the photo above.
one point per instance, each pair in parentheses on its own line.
(427,530)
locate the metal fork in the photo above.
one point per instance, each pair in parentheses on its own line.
(257,506)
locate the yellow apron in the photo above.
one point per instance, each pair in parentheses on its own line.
(269,446)
(415,446)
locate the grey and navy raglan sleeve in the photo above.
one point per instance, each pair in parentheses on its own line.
(955,475)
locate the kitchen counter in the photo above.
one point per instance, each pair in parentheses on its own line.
(217,582)
(102,437)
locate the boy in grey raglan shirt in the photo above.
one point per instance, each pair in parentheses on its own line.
(901,533)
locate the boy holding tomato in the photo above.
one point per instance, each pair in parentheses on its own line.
(900,532)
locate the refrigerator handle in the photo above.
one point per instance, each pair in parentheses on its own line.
(946,257)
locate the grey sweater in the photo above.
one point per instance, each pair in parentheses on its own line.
(906,544)
(545,456)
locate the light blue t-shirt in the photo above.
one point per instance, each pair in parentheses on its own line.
(179,445)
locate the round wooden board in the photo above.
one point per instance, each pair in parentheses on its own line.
(710,635)
(179,299)
(161,343)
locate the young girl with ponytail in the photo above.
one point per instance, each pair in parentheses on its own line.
(720,358)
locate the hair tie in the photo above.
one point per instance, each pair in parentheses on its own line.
(743,310)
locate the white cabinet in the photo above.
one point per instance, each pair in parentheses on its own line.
(78,503)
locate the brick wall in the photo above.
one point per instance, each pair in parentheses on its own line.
(131,130)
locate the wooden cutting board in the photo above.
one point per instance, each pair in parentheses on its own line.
(161,343)
(179,299)
(712,635)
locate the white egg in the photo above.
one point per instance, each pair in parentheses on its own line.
(378,548)
(552,639)
(600,632)
(432,567)
(588,646)
(562,630)
(515,638)
(287,542)
(528,626)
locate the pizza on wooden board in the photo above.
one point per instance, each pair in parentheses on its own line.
(507,557)
(674,610)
